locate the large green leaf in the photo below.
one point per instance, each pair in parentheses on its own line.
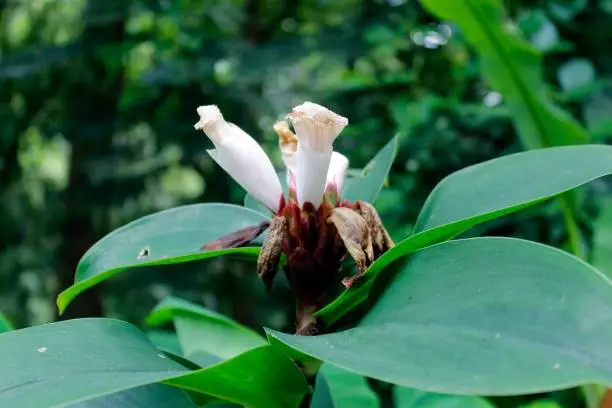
(254,378)
(167,237)
(165,341)
(153,395)
(481,316)
(412,398)
(338,388)
(201,329)
(482,193)
(79,360)
(367,186)
(513,68)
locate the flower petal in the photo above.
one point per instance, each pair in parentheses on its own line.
(311,174)
(316,126)
(241,157)
(316,129)
(338,168)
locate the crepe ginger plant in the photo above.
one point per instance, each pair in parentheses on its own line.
(432,312)
(313,227)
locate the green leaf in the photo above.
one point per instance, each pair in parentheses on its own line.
(482,193)
(481,316)
(253,204)
(367,186)
(167,237)
(200,329)
(154,395)
(513,68)
(409,397)
(253,378)
(5,324)
(78,360)
(338,388)
(165,341)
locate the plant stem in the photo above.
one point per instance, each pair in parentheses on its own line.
(593,394)
(574,234)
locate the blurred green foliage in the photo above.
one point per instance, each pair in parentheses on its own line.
(98,98)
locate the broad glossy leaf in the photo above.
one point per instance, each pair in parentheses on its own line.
(481,316)
(5,324)
(78,360)
(338,388)
(412,398)
(201,329)
(367,186)
(513,68)
(151,396)
(167,237)
(482,193)
(253,378)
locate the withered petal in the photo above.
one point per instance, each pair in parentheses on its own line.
(237,238)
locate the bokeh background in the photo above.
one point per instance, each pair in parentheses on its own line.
(97,106)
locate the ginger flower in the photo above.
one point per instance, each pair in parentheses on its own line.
(313,226)
(316,129)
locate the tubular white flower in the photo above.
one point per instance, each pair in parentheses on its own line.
(336,174)
(316,129)
(241,157)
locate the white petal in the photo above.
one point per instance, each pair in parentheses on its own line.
(316,126)
(311,174)
(338,168)
(241,157)
(316,129)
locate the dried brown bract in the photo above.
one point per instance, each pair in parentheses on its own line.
(355,234)
(269,256)
(381,240)
(237,238)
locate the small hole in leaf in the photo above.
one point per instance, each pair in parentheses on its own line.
(144,252)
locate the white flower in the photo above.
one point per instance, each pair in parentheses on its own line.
(241,157)
(336,174)
(316,129)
